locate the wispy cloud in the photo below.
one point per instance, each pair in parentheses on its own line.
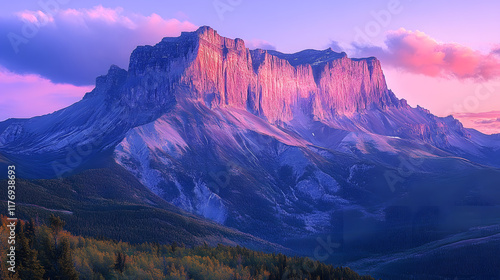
(496,51)
(76,45)
(35,17)
(259,44)
(416,52)
(30,95)
(486,122)
(335,46)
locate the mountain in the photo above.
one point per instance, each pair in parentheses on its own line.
(109,202)
(290,148)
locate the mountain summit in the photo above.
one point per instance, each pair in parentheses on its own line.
(222,72)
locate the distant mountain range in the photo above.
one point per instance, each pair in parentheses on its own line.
(289,148)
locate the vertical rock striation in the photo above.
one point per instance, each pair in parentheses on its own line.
(222,72)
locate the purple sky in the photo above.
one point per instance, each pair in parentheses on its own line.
(443,56)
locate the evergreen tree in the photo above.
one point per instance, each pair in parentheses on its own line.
(121,259)
(56,258)
(30,231)
(47,255)
(29,266)
(66,266)
(173,246)
(105,259)
(56,224)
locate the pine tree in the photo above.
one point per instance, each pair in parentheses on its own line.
(30,230)
(56,224)
(67,269)
(47,255)
(29,266)
(121,259)
(173,246)
(56,258)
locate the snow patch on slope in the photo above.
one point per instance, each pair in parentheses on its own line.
(209,204)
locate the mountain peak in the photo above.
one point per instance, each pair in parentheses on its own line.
(206,33)
(222,72)
(205,29)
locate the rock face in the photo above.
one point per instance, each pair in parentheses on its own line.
(206,66)
(286,90)
(322,86)
(259,137)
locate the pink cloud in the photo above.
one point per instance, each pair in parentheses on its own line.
(77,45)
(55,67)
(35,17)
(100,14)
(23,96)
(486,122)
(417,52)
(109,15)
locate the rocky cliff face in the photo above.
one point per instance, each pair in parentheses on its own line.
(206,66)
(285,90)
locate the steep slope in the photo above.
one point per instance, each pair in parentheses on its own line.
(232,167)
(109,202)
(442,258)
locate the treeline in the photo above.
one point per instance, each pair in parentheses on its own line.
(41,252)
(49,252)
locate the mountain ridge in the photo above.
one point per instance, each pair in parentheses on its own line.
(222,71)
(284,89)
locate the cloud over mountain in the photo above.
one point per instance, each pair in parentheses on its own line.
(76,45)
(486,122)
(259,44)
(416,52)
(43,96)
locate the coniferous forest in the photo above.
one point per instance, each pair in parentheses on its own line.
(44,250)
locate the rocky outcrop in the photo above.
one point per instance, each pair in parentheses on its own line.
(220,71)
